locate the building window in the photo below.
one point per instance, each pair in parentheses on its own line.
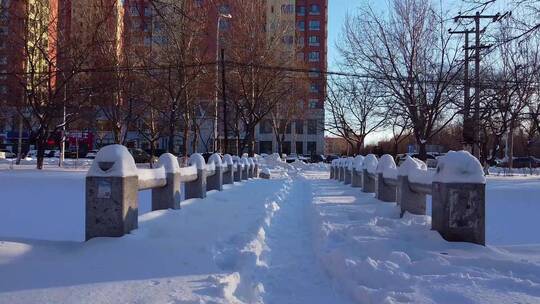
(3,60)
(314,41)
(299,147)
(301,11)
(314,88)
(199,3)
(300,41)
(314,73)
(3,89)
(224,9)
(314,56)
(265,127)
(3,30)
(301,25)
(224,24)
(312,127)
(314,9)
(311,147)
(314,25)
(299,126)
(286,147)
(313,103)
(265,147)
(134,10)
(2,44)
(3,74)
(300,56)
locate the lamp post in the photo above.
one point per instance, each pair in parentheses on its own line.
(216,101)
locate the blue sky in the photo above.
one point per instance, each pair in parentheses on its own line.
(337,10)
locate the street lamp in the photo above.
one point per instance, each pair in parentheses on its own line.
(216,101)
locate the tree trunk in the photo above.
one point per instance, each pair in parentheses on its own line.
(511,144)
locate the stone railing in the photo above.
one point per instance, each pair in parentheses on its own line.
(457,188)
(113,181)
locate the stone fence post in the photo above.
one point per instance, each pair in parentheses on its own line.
(215,182)
(383,191)
(111,194)
(348,170)
(239,169)
(228,177)
(356,178)
(197,188)
(341,167)
(407,199)
(458,198)
(168,197)
(245,170)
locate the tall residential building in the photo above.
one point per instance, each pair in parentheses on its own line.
(305,135)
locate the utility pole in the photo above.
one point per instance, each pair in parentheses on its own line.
(468,132)
(225,147)
(477,59)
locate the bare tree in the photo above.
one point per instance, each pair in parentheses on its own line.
(356,109)
(408,52)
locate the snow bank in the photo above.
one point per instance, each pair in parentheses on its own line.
(459,167)
(375,256)
(370,163)
(358,162)
(169,162)
(197,160)
(123,163)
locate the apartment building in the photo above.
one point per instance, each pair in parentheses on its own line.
(132,27)
(305,134)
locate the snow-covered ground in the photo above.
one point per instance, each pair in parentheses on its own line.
(297,238)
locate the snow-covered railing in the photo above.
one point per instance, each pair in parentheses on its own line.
(457,188)
(113,181)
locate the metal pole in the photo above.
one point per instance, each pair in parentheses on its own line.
(225,147)
(216,101)
(476,149)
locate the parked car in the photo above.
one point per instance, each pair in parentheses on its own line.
(294,157)
(522,162)
(7,154)
(139,155)
(317,158)
(92,154)
(32,154)
(431,161)
(329,158)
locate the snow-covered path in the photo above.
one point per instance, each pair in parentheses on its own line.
(292,273)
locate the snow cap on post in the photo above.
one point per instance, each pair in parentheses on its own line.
(370,163)
(350,163)
(334,162)
(113,160)
(197,160)
(358,161)
(386,162)
(409,165)
(459,167)
(244,160)
(251,162)
(169,162)
(215,159)
(227,159)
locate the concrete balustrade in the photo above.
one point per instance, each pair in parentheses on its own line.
(228,172)
(245,168)
(457,188)
(215,181)
(113,180)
